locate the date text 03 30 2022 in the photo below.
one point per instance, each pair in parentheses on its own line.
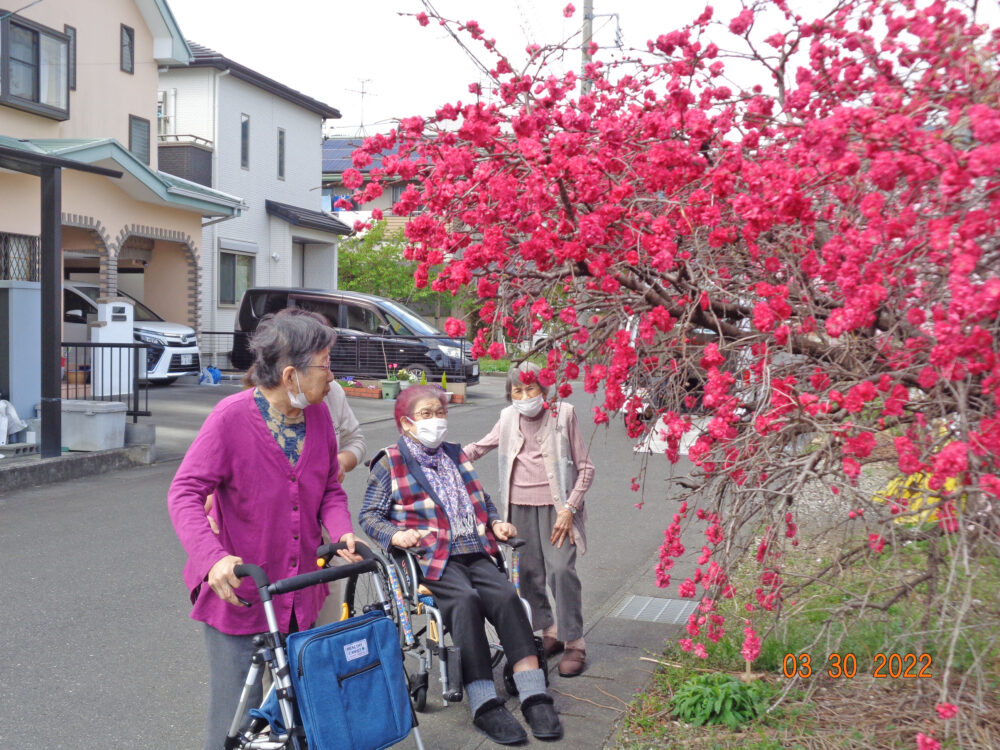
(888,666)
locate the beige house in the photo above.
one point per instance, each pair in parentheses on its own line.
(81,84)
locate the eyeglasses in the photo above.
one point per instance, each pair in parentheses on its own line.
(323,367)
(440,413)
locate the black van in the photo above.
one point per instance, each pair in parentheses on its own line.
(372,332)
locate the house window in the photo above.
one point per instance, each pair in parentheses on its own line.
(34,63)
(281,154)
(71,34)
(138,138)
(128,49)
(245,141)
(236,271)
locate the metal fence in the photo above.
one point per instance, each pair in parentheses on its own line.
(106,372)
(359,355)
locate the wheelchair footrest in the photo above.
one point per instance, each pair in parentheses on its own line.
(452,659)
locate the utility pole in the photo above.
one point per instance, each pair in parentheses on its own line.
(588,32)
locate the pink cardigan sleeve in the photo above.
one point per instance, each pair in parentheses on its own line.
(484,445)
(201,471)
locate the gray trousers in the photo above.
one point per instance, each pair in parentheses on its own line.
(542,562)
(228,663)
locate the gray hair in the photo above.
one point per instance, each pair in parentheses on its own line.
(514,378)
(289,337)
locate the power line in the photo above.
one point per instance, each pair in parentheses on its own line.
(476,61)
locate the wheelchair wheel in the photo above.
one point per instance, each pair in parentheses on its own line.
(361,596)
(418,691)
(496,651)
(508,681)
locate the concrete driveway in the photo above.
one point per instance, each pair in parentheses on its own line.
(95,613)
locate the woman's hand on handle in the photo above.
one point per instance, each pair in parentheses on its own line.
(503,530)
(349,554)
(406,538)
(563,528)
(223,581)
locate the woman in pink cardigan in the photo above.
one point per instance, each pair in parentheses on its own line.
(544,473)
(269,456)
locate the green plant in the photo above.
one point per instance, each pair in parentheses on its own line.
(404,374)
(444,382)
(423,377)
(717,698)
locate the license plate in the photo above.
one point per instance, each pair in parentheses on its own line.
(186,359)
(475,370)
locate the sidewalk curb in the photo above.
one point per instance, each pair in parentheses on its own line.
(74,465)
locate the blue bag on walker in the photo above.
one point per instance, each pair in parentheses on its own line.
(349,683)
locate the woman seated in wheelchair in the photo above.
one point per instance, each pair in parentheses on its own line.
(424,492)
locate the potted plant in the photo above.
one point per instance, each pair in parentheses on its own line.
(444,387)
(406,378)
(356,388)
(390,386)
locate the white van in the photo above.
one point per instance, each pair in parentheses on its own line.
(171,348)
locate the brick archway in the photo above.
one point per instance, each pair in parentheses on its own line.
(108,251)
(192,256)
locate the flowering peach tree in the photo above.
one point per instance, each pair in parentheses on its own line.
(795,276)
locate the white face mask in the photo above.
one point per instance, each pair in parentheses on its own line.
(430,432)
(298,400)
(529,407)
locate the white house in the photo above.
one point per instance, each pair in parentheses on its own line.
(78,89)
(228,127)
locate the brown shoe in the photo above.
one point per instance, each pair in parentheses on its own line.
(572,662)
(552,645)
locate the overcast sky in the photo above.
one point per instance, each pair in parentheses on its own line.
(330,49)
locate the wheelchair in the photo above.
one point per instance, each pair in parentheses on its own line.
(423,636)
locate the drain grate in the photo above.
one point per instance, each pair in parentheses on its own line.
(654,609)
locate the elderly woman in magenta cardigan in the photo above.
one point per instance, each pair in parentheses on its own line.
(424,492)
(269,456)
(544,473)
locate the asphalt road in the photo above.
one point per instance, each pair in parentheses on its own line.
(99,647)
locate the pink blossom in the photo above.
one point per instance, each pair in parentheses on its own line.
(422,19)
(742,22)
(927,742)
(569,10)
(875,542)
(946,710)
(454,327)
(496,350)
(751,643)
(352,178)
